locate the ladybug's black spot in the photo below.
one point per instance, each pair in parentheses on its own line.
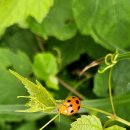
(70,105)
(68,101)
(71,111)
(78,107)
(77,101)
(73,97)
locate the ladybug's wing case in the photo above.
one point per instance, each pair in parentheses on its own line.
(70,106)
(73,105)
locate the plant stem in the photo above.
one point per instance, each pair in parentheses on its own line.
(107,122)
(71,89)
(92,64)
(109,115)
(124,56)
(40,43)
(110,91)
(122,120)
(79,83)
(49,122)
(97,110)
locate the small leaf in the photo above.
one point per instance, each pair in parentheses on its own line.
(52,82)
(86,123)
(40,98)
(115,127)
(45,68)
(44,65)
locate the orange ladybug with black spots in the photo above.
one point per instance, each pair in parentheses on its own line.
(70,106)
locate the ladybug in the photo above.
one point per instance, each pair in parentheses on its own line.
(70,106)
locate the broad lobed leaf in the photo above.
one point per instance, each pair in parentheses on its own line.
(115,127)
(107,21)
(21,63)
(91,122)
(87,123)
(17,11)
(60,25)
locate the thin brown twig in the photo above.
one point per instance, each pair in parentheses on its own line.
(40,43)
(71,89)
(92,64)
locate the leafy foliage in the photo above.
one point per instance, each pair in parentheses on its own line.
(40,98)
(115,127)
(52,41)
(120,86)
(91,123)
(87,123)
(22,64)
(65,29)
(21,11)
(98,20)
(45,68)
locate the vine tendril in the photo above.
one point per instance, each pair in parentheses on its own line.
(110,61)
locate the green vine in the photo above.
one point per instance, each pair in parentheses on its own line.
(110,61)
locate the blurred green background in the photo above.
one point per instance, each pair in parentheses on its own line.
(52,41)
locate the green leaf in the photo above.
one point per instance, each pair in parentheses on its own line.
(8,84)
(40,98)
(60,25)
(17,11)
(108,22)
(120,80)
(121,77)
(120,86)
(45,68)
(71,50)
(20,39)
(115,127)
(104,103)
(87,123)
(64,123)
(101,84)
(18,116)
(28,126)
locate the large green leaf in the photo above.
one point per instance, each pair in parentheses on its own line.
(20,39)
(107,21)
(58,23)
(27,126)
(104,103)
(115,127)
(120,85)
(17,120)
(16,11)
(87,123)
(8,84)
(101,84)
(120,80)
(10,88)
(71,50)
(121,77)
